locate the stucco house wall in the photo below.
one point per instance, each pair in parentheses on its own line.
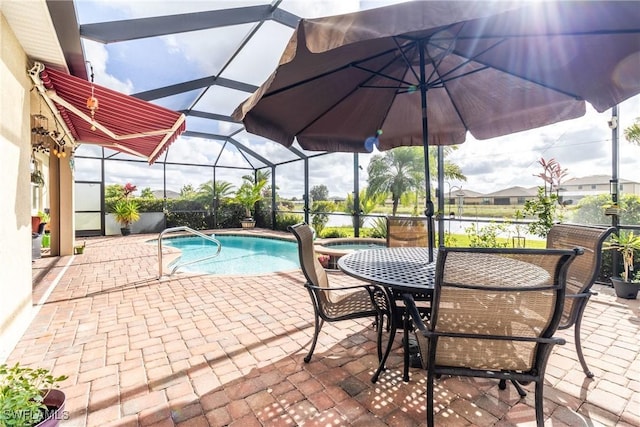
(15,193)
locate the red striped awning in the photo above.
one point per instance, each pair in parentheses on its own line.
(122,122)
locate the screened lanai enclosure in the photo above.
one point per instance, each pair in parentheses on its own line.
(203,59)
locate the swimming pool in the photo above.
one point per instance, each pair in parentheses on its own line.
(239,254)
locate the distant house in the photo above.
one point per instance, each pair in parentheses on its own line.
(576,188)
(467,197)
(159,194)
(510,196)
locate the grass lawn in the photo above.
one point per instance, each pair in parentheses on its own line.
(456,240)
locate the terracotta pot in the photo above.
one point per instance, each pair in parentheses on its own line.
(54,399)
(626,290)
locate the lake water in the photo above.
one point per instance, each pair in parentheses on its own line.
(455,226)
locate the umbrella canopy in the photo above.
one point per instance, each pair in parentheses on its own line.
(425,73)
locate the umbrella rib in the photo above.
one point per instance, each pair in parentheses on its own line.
(327,73)
(355,88)
(485,65)
(404,56)
(378,73)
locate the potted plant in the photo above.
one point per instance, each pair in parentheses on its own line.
(37,178)
(29,397)
(628,284)
(126,212)
(248,195)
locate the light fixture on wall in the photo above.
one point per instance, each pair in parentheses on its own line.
(92,101)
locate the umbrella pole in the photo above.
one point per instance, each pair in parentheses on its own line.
(425,143)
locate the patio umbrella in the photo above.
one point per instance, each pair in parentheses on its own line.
(426,73)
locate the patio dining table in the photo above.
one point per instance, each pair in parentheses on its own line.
(398,270)
(407,270)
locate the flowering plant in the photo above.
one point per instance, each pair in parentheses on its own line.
(324,260)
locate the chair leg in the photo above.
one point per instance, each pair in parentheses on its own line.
(383,360)
(405,324)
(576,331)
(539,403)
(379,344)
(430,415)
(503,385)
(318,325)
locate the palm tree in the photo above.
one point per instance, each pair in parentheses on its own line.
(261,175)
(401,170)
(249,194)
(208,192)
(632,133)
(395,172)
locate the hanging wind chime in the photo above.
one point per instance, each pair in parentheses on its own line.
(92,101)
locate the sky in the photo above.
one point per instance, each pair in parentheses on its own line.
(582,146)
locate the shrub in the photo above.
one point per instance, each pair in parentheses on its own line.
(284,220)
(379,228)
(332,233)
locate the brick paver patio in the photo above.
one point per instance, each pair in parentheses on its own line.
(199,350)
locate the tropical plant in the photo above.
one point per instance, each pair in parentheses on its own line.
(632,133)
(545,206)
(379,228)
(188,192)
(487,236)
(401,170)
(284,220)
(22,394)
(261,175)
(590,209)
(208,192)
(249,194)
(367,201)
(320,211)
(147,193)
(397,172)
(126,212)
(114,191)
(44,217)
(129,189)
(37,177)
(627,243)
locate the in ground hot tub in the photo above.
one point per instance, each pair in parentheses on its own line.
(335,248)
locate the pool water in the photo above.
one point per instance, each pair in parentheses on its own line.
(239,254)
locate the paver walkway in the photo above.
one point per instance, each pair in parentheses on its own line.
(200,350)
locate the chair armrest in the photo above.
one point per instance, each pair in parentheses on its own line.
(341,288)
(582,295)
(410,306)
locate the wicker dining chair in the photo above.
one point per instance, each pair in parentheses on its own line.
(364,300)
(407,231)
(494,315)
(581,275)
